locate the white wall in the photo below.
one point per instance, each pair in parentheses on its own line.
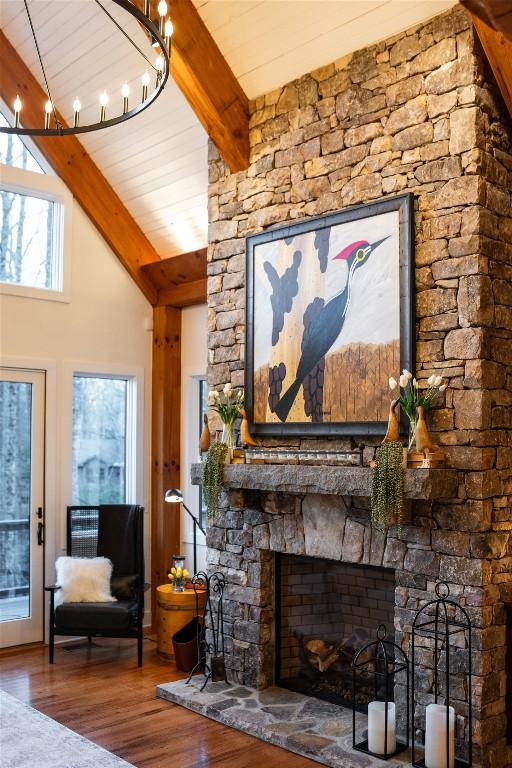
(102,327)
(194,322)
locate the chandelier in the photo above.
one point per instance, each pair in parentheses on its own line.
(158,29)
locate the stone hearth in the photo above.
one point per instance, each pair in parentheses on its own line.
(301,724)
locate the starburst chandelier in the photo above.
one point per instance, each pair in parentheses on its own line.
(158,28)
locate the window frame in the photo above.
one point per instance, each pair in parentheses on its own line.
(130,454)
(135,426)
(46,187)
(191,432)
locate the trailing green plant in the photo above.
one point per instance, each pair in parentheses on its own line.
(213,473)
(388,486)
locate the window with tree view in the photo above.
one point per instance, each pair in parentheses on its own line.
(100,439)
(30,226)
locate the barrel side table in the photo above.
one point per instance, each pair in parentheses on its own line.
(174,610)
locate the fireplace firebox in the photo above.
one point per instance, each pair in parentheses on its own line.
(326,611)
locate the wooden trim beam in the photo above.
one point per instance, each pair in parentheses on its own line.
(176,270)
(166,427)
(85,181)
(180,280)
(499,54)
(495,13)
(204,77)
(184,295)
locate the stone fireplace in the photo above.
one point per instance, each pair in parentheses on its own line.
(325,612)
(420,113)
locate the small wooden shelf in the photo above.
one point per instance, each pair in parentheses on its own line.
(339,481)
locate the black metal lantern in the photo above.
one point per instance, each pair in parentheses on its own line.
(446,624)
(378,670)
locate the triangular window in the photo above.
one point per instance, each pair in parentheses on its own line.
(14,152)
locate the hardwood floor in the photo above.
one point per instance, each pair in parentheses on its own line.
(100,693)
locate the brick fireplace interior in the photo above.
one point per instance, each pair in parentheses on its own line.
(325,612)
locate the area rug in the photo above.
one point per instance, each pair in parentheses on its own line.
(301,724)
(29,739)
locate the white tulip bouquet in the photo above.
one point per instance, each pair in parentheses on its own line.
(411,396)
(228,403)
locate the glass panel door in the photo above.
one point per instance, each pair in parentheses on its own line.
(21,506)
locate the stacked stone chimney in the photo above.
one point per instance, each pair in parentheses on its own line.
(419,112)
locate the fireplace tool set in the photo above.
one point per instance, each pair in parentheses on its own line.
(210,637)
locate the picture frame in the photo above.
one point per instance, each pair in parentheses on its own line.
(310,290)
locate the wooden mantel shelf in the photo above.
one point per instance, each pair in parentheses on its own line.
(339,481)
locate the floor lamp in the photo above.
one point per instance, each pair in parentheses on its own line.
(175,496)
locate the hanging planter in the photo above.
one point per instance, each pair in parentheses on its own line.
(388,486)
(213,474)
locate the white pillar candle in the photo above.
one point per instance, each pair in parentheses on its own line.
(376,727)
(435,736)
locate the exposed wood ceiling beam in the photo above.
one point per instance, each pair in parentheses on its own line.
(180,280)
(499,54)
(495,13)
(184,295)
(73,165)
(204,77)
(175,270)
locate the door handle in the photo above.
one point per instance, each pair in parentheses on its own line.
(40,534)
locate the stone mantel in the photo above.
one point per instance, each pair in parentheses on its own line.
(329,480)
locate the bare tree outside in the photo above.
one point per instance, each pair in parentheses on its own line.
(99,440)
(15,465)
(27,225)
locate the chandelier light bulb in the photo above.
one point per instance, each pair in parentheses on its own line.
(168,30)
(145,79)
(162,10)
(159,63)
(48,109)
(76,112)
(17,110)
(103,104)
(125,92)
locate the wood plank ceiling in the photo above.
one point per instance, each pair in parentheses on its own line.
(157,162)
(267,43)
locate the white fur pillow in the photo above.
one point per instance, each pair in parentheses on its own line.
(84,580)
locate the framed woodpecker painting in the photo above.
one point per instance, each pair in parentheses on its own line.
(329,318)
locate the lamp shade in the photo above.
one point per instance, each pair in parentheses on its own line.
(173,496)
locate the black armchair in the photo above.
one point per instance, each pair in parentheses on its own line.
(117,532)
